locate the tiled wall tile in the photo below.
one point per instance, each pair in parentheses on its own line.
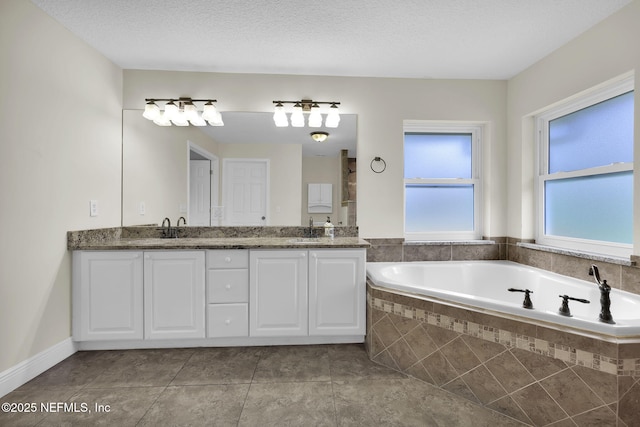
(570,392)
(426,253)
(628,405)
(509,372)
(509,407)
(602,416)
(483,385)
(538,405)
(475,252)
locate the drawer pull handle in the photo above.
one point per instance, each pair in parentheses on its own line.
(228,287)
(227,322)
(227,259)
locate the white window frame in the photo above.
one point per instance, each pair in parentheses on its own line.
(476,131)
(601,93)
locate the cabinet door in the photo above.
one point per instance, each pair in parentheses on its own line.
(278,293)
(174,300)
(107,295)
(337,292)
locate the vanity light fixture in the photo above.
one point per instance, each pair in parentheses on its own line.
(182,112)
(306,106)
(319,136)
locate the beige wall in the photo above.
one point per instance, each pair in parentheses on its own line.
(60,146)
(602,53)
(154,168)
(321,170)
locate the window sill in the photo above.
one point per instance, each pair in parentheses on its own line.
(585,255)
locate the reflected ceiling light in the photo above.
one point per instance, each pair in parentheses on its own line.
(319,136)
(306,106)
(182,112)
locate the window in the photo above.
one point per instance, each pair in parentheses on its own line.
(441,181)
(585,184)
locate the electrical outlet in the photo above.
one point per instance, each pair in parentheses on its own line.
(142,208)
(93,208)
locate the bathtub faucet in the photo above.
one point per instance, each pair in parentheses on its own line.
(605,300)
(564,308)
(527,300)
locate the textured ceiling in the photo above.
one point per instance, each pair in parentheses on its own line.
(459,39)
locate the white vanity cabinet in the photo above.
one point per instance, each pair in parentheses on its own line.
(307,292)
(107,295)
(188,297)
(227,293)
(174,294)
(278,293)
(337,299)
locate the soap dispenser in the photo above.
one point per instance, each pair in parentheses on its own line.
(329,230)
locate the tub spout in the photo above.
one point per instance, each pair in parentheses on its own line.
(605,299)
(527,300)
(564,308)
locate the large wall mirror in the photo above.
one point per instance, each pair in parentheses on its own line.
(247,172)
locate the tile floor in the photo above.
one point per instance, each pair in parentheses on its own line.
(320,385)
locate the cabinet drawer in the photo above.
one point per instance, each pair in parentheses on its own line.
(227,286)
(227,320)
(234,258)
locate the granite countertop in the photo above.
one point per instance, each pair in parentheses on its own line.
(139,238)
(226,243)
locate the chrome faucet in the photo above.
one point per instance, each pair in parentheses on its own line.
(605,300)
(168,231)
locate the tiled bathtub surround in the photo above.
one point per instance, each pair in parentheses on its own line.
(532,373)
(397,250)
(620,274)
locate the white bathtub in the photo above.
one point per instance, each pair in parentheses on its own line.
(484,284)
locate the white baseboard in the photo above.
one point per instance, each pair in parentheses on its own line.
(26,370)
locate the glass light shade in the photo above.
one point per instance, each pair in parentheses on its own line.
(198,120)
(162,120)
(280,117)
(333,118)
(217,120)
(170,110)
(209,111)
(180,119)
(319,136)
(151,111)
(315,119)
(190,112)
(297,118)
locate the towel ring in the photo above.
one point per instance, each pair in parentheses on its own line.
(378,169)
